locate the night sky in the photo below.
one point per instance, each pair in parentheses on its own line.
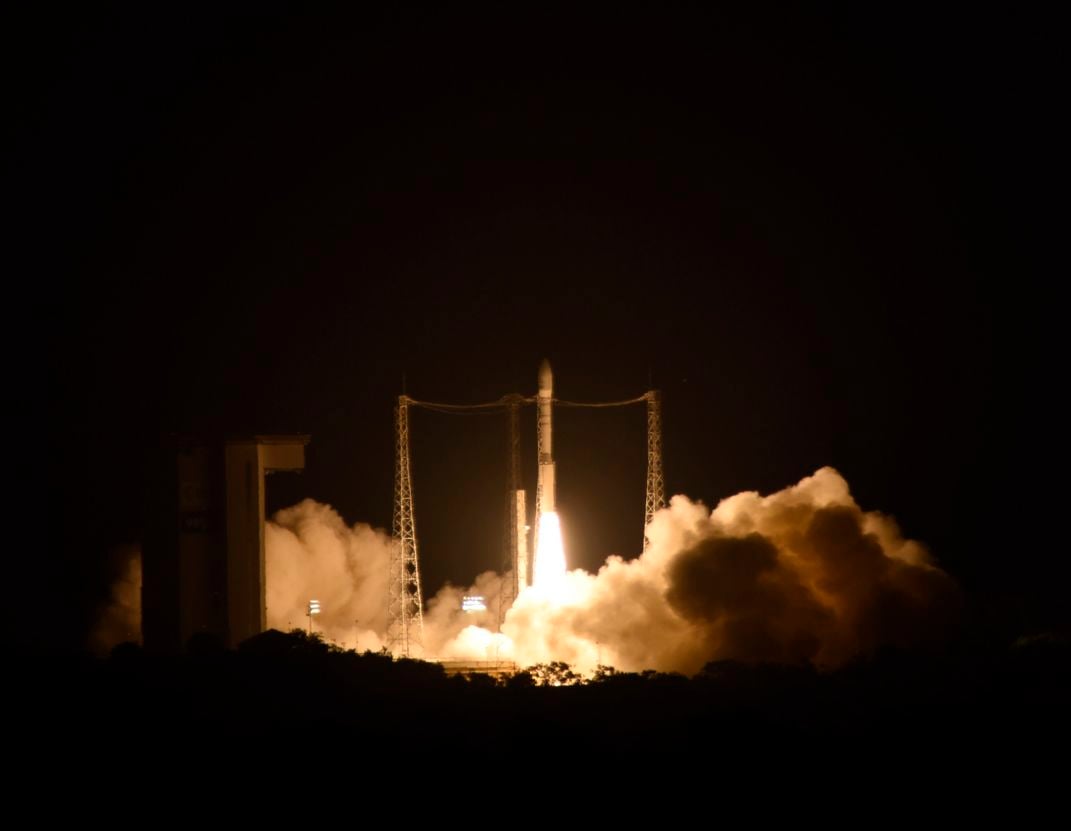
(803,228)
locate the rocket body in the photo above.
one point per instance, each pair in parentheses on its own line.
(545,418)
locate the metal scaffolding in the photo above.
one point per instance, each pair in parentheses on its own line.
(405,603)
(656,485)
(405,616)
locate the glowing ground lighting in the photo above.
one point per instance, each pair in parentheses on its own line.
(549,567)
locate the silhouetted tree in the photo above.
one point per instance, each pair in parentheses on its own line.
(555,674)
(520,680)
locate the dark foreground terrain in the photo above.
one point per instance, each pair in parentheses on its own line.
(291,699)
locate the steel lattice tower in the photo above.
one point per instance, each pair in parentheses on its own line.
(405,603)
(656,486)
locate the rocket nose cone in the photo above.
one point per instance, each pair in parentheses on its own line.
(546,378)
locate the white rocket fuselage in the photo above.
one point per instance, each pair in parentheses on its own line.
(546,437)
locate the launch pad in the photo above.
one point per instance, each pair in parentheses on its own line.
(405,617)
(496,669)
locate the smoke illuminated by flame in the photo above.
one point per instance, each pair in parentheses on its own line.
(549,567)
(799,576)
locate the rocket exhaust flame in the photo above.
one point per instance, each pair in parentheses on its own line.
(549,565)
(549,568)
(803,575)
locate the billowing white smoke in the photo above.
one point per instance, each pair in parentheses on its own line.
(448,630)
(311,554)
(802,575)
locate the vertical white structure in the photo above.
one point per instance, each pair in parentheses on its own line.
(545,441)
(516,561)
(247,462)
(522,566)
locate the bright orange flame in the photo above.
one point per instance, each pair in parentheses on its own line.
(549,567)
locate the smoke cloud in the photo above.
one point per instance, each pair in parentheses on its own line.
(801,576)
(120,621)
(310,553)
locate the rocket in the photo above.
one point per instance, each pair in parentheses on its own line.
(545,420)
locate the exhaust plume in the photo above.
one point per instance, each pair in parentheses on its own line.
(311,553)
(801,576)
(550,551)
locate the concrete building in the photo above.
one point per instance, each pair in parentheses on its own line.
(203,553)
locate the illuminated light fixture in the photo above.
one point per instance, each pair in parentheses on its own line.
(314,609)
(473,603)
